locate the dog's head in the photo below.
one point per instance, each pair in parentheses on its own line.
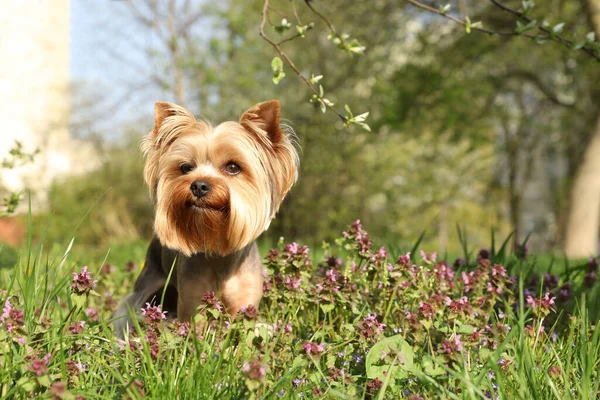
(216,189)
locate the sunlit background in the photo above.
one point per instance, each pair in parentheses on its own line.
(468,130)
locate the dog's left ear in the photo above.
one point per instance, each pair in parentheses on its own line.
(264,116)
(262,120)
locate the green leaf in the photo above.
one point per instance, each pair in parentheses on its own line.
(558,28)
(430,368)
(78,300)
(404,358)
(277,67)
(465,330)
(315,79)
(590,37)
(44,380)
(327,308)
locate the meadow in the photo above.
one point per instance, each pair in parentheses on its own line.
(347,320)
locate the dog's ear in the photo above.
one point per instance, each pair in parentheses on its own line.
(264,117)
(262,120)
(164,110)
(170,121)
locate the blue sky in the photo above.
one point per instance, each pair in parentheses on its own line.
(108,59)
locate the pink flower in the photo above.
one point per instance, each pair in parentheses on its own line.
(11,317)
(255,371)
(249,312)
(468,280)
(92,314)
(370,327)
(498,270)
(429,258)
(82,282)
(153,314)
(77,327)
(313,348)
(210,299)
(182,328)
(404,259)
(39,366)
(293,284)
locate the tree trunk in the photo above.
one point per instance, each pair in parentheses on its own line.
(584,214)
(581,233)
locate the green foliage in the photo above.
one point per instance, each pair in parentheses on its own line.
(277,66)
(16,157)
(109,205)
(355,323)
(8,256)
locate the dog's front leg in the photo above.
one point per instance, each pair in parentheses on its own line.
(151,280)
(192,284)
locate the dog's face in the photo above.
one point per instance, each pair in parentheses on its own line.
(216,189)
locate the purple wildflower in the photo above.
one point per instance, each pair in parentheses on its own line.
(153,314)
(370,327)
(249,312)
(11,317)
(313,348)
(82,282)
(39,366)
(92,314)
(255,371)
(77,327)
(429,258)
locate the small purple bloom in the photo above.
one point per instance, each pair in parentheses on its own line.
(83,282)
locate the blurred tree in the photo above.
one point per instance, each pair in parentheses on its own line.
(583,225)
(464,129)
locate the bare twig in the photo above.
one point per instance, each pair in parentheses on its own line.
(550,35)
(296,12)
(296,36)
(287,59)
(464,23)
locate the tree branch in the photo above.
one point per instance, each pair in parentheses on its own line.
(287,59)
(550,34)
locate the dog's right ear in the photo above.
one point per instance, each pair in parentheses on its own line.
(170,121)
(163,112)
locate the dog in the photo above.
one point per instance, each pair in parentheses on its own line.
(215,190)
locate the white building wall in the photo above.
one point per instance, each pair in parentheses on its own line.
(34,91)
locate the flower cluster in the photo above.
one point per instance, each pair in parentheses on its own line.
(11,318)
(83,282)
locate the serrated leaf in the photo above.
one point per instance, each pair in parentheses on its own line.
(430,368)
(78,300)
(393,344)
(327,308)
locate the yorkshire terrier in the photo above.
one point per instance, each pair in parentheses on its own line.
(215,190)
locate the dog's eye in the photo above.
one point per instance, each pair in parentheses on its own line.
(186,168)
(232,168)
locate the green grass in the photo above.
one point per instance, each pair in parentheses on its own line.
(435,333)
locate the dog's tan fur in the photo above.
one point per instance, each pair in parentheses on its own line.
(210,240)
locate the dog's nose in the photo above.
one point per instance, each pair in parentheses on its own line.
(200,188)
